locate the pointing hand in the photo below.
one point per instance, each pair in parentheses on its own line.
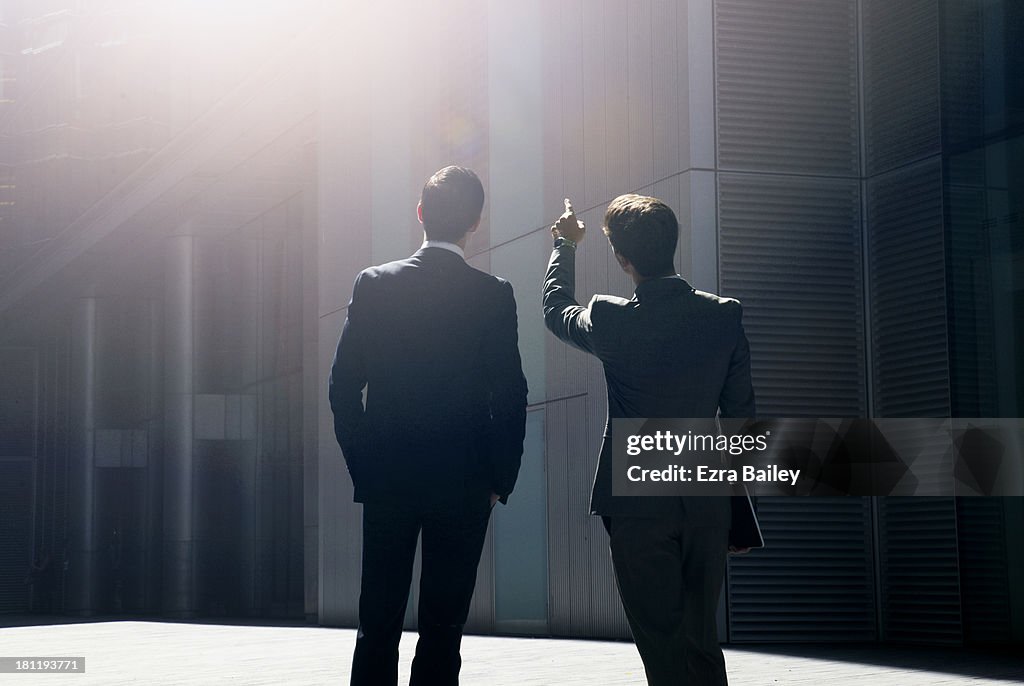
(568,226)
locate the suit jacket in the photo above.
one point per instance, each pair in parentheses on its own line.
(670,351)
(434,343)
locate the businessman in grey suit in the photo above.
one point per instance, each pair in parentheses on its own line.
(669,351)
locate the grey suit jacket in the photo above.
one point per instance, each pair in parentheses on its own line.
(670,351)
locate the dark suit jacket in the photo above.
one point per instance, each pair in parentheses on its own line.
(671,351)
(434,342)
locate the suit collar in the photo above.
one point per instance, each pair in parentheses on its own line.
(445,245)
(437,254)
(662,286)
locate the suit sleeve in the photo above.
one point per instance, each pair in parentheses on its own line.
(346,383)
(563,316)
(507,395)
(737,397)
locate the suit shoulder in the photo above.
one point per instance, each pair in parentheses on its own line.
(721,301)
(718,306)
(483,276)
(609,302)
(490,282)
(379,272)
(607,308)
(387,269)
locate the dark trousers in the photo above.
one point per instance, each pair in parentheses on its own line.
(453,538)
(669,577)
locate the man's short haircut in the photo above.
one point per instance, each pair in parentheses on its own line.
(644,230)
(451,201)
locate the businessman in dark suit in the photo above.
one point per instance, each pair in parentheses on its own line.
(670,351)
(439,437)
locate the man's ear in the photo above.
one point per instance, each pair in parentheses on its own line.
(476,225)
(419,211)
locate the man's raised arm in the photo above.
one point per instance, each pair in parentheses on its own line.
(563,316)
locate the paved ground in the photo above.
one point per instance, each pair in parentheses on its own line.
(133,652)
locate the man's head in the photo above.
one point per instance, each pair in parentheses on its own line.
(450,204)
(643,232)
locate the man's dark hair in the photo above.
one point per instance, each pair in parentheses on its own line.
(644,230)
(451,201)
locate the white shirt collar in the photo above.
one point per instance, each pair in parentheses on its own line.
(444,245)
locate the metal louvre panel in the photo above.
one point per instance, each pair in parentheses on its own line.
(787,86)
(971,321)
(813,581)
(963,75)
(901,82)
(920,583)
(984,584)
(908,292)
(790,251)
(15,533)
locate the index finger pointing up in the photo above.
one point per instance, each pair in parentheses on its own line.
(568,206)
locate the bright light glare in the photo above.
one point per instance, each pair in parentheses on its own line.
(239,10)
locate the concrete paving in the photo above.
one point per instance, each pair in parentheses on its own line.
(147,652)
